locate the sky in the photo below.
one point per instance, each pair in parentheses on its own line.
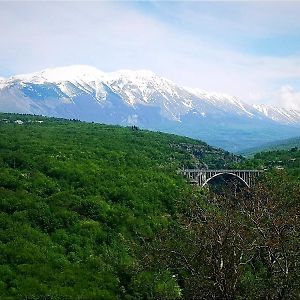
(247,49)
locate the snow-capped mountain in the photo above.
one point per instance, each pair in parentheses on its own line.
(224,102)
(2,81)
(142,98)
(146,88)
(279,114)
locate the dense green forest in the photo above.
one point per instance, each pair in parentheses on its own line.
(75,197)
(276,160)
(91,211)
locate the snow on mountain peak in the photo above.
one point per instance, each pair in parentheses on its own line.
(283,115)
(55,75)
(2,82)
(133,74)
(140,86)
(138,78)
(223,101)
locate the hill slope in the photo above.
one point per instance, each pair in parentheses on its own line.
(287,161)
(286,144)
(144,99)
(76,198)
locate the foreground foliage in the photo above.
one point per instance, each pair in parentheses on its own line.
(235,246)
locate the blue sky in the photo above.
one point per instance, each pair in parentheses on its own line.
(247,49)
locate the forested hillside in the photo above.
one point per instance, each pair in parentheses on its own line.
(277,160)
(77,199)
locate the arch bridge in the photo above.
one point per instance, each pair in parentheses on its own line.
(201,177)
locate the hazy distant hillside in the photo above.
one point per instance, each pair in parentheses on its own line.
(277,145)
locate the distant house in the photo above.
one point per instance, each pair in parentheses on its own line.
(19,122)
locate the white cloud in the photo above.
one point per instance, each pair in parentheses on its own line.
(116,35)
(289,98)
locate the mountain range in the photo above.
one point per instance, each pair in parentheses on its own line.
(149,101)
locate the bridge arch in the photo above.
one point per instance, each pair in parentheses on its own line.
(225,173)
(201,177)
